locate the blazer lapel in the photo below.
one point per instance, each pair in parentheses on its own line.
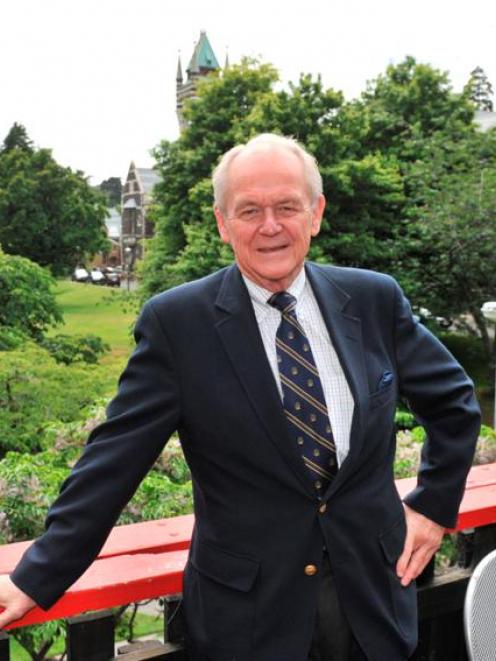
(346,336)
(239,333)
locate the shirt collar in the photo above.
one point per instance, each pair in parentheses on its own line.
(259,295)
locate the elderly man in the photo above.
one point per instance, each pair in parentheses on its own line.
(281,378)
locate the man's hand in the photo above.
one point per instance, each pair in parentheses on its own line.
(15,602)
(423,538)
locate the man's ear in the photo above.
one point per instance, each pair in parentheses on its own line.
(317,213)
(221,225)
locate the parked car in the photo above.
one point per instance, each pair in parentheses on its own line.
(80,274)
(112,277)
(97,277)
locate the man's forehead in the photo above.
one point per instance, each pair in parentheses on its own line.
(266,168)
(264,152)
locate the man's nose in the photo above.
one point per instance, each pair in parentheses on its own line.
(270,224)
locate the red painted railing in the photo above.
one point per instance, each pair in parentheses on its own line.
(146,560)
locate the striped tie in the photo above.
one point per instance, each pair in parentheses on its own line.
(303,397)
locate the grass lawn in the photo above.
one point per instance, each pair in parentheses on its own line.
(109,313)
(103,311)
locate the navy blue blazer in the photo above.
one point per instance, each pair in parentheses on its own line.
(200,368)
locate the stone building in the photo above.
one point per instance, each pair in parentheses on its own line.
(203,62)
(137,190)
(136,198)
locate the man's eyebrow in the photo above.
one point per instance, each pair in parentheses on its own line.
(246,202)
(251,202)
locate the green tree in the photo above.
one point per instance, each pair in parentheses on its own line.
(112,188)
(479,90)
(48,213)
(17,138)
(35,391)
(449,265)
(402,108)
(27,303)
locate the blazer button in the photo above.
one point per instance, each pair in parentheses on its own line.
(323,508)
(310,570)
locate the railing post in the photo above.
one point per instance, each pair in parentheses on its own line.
(175,627)
(4,646)
(91,637)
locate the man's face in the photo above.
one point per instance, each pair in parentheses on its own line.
(268,217)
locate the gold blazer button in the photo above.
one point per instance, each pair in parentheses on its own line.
(310,570)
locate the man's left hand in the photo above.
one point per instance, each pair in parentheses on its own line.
(423,538)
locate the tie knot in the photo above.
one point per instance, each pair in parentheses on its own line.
(282,301)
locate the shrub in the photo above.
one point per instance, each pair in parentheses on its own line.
(35,391)
(70,349)
(26,300)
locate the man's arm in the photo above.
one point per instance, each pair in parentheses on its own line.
(117,457)
(442,398)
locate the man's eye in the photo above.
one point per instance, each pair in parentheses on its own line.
(249,213)
(286,210)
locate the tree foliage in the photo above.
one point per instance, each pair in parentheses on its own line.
(450,266)
(69,349)
(112,188)
(479,90)
(27,303)
(48,213)
(35,390)
(17,138)
(368,151)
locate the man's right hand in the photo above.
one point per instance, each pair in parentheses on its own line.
(13,600)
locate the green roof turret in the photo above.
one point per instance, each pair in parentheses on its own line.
(203,58)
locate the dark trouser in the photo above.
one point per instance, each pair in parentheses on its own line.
(332,638)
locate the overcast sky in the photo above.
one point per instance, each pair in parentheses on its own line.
(95,80)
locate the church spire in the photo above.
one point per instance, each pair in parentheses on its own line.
(179,74)
(202,63)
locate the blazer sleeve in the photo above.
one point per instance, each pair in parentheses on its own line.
(118,455)
(442,397)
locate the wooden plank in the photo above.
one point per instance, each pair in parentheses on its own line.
(165,652)
(113,581)
(158,536)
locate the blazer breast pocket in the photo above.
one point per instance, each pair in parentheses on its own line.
(382,397)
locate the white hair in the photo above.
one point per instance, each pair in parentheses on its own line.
(269,140)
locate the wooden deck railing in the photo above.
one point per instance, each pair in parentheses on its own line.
(146,560)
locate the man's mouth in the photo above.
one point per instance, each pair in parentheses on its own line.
(272,249)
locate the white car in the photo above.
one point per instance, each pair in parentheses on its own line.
(97,277)
(80,274)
